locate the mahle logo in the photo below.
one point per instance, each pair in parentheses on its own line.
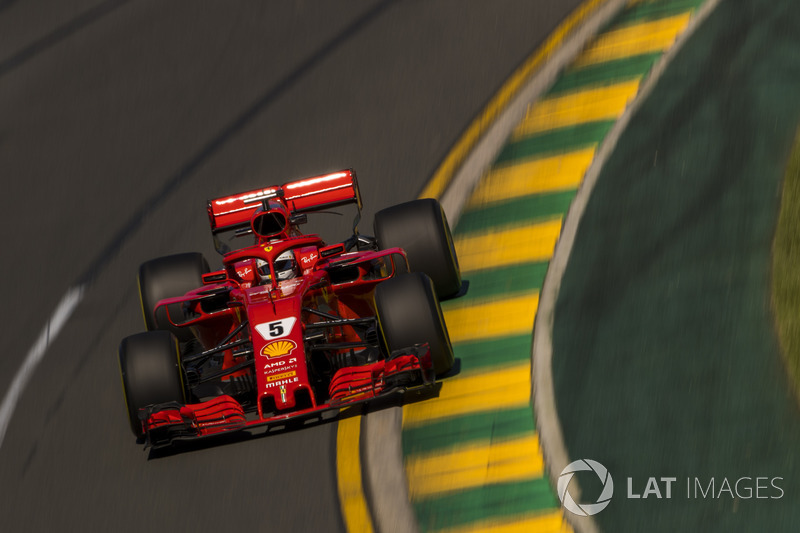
(585,509)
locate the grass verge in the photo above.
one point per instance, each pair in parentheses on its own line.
(786,267)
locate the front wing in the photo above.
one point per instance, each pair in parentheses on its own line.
(169,422)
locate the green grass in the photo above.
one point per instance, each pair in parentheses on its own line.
(786,267)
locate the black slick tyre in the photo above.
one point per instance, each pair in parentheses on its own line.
(420,228)
(169,277)
(151,373)
(409,313)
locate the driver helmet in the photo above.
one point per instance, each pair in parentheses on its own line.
(285,266)
(263,271)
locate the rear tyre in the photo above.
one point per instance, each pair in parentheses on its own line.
(168,277)
(409,313)
(151,373)
(420,228)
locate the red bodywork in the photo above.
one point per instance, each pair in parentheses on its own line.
(273,349)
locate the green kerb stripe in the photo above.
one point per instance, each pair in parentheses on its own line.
(648,11)
(607,73)
(555,141)
(505,281)
(505,499)
(517,210)
(461,430)
(494,352)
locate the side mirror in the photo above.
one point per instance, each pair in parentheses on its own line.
(298,218)
(214,277)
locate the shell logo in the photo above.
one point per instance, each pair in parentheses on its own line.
(279,348)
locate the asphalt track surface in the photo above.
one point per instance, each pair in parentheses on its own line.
(119,120)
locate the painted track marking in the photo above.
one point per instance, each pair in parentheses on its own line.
(550,174)
(69,302)
(464,467)
(592,104)
(497,247)
(493,318)
(639,39)
(351,493)
(503,388)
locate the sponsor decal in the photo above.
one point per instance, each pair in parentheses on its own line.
(279,348)
(270,371)
(281,382)
(276,329)
(280,365)
(282,376)
(307,259)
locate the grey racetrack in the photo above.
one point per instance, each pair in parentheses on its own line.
(118,120)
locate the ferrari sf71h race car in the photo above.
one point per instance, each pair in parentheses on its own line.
(290,327)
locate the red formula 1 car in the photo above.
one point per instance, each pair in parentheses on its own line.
(290,327)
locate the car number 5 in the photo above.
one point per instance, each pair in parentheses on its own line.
(276,329)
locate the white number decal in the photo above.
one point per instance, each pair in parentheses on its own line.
(276,329)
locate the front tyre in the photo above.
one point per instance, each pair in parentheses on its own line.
(151,373)
(409,313)
(420,228)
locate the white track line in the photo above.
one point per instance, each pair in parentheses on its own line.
(63,311)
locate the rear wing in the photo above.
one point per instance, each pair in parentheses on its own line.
(309,194)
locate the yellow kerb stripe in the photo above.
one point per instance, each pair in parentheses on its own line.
(599,103)
(648,37)
(474,465)
(548,522)
(348,467)
(537,176)
(491,318)
(508,245)
(505,388)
